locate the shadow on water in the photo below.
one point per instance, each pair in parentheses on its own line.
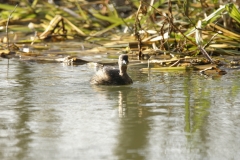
(22,109)
(133,125)
(155,96)
(17,114)
(18,111)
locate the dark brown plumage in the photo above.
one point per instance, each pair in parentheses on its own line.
(113,76)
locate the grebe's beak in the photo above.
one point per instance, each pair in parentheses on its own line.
(124,62)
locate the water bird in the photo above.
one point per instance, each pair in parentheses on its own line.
(113,76)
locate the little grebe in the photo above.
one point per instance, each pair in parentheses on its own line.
(113,76)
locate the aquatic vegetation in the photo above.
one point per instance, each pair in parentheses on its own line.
(146,29)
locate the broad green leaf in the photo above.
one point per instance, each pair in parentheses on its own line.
(233,11)
(106,18)
(11,8)
(162,69)
(213,16)
(107,29)
(227,51)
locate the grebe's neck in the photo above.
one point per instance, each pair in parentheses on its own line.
(123,70)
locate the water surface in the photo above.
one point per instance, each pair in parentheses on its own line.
(50,111)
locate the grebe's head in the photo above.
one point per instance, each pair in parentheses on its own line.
(123,60)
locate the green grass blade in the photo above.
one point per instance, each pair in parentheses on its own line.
(233,11)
